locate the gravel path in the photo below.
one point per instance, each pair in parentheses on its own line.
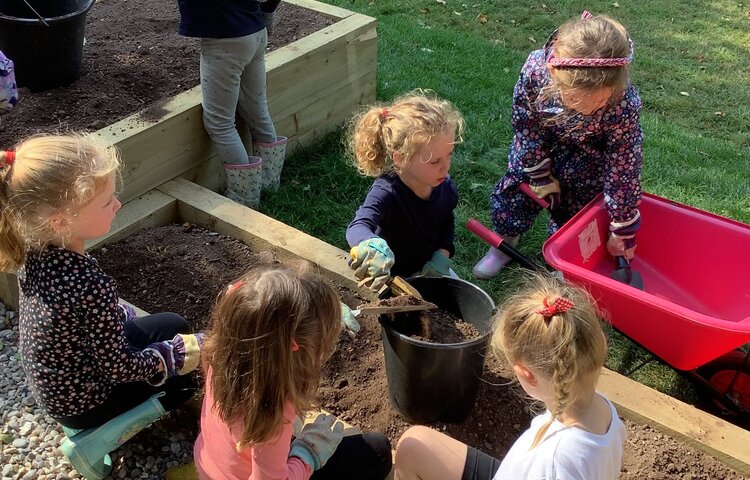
(29,440)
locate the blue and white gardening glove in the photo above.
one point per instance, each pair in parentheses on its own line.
(348,321)
(317,441)
(543,183)
(438,266)
(181,355)
(372,260)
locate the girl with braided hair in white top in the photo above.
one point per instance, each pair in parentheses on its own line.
(552,337)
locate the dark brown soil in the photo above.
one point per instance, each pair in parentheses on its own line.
(444,327)
(133,58)
(182,268)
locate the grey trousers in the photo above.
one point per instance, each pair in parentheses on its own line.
(233,78)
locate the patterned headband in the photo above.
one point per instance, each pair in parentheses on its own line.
(591,62)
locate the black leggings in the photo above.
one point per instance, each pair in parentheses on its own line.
(141,332)
(364,457)
(479,466)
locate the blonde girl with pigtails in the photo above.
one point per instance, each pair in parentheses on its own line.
(551,336)
(405,225)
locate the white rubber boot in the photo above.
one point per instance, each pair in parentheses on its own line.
(273,155)
(244,182)
(493,261)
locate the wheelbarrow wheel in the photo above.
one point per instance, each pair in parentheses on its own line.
(728,379)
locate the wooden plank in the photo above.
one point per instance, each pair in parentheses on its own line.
(703,431)
(323,8)
(260,232)
(348,51)
(149,210)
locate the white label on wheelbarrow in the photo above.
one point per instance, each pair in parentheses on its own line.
(589,240)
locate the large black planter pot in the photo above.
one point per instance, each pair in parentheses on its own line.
(427,381)
(45,56)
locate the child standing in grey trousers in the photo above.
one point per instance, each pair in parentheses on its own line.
(234,36)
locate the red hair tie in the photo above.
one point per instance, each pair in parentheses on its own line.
(234,286)
(560,305)
(10,157)
(586,15)
(384,113)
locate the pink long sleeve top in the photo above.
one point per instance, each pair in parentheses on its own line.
(217,457)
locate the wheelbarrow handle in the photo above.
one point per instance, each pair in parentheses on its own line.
(526,188)
(494,240)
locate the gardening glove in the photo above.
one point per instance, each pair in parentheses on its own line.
(372,260)
(619,246)
(543,183)
(128,310)
(181,355)
(317,441)
(621,241)
(438,266)
(270,18)
(348,321)
(547,187)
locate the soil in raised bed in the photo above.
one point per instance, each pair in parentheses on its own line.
(182,268)
(133,61)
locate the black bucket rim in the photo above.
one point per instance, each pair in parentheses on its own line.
(433,345)
(49,20)
(442,346)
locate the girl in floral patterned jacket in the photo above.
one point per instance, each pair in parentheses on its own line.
(576,122)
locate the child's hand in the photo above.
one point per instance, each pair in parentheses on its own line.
(128,310)
(270,18)
(317,441)
(181,355)
(438,266)
(547,187)
(621,246)
(348,321)
(372,260)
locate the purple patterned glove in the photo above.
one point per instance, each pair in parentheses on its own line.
(180,355)
(128,310)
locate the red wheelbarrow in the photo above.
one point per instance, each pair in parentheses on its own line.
(694,311)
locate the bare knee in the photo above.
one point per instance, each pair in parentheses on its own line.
(423,453)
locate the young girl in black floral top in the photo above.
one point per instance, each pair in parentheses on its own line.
(87,358)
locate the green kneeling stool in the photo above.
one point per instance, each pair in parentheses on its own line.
(88,450)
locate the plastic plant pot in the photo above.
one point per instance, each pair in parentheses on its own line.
(427,381)
(47,51)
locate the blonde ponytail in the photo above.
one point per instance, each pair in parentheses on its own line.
(49,174)
(566,345)
(410,122)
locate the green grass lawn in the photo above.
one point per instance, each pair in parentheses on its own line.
(690,68)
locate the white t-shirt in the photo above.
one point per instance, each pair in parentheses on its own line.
(565,452)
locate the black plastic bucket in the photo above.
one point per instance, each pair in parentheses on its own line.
(428,381)
(45,56)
